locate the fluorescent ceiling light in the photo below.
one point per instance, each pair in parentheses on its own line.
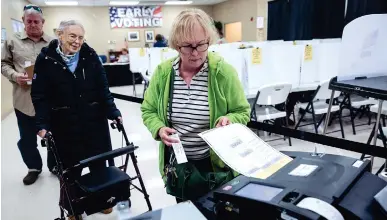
(124,2)
(62,3)
(178,2)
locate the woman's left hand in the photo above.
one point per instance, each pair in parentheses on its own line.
(119,120)
(223,121)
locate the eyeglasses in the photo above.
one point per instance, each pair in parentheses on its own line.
(36,8)
(189,48)
(72,38)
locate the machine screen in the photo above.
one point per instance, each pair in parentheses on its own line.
(259,192)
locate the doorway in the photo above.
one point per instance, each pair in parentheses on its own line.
(233,32)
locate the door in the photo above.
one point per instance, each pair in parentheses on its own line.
(233,32)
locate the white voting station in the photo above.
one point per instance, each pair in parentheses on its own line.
(363,67)
(363,53)
(304,64)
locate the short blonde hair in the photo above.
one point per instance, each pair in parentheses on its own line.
(184,23)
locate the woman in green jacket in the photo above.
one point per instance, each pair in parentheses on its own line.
(192,93)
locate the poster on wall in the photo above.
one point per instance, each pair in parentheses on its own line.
(17,26)
(134,36)
(135,17)
(3,35)
(149,36)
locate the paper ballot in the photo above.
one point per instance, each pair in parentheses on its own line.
(243,151)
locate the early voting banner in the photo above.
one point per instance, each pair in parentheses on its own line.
(135,17)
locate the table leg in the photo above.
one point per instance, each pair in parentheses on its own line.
(376,128)
(328,116)
(134,84)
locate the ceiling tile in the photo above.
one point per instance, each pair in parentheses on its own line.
(106,2)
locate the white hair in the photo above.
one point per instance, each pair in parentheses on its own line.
(65,24)
(32,11)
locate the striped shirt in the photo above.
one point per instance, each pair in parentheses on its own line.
(191,112)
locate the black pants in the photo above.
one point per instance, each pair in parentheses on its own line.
(27,144)
(203,165)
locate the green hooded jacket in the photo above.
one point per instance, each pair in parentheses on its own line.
(225,97)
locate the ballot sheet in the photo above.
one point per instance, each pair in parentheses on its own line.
(243,151)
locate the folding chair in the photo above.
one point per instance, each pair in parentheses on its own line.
(100,190)
(263,109)
(146,78)
(382,132)
(319,106)
(374,109)
(356,105)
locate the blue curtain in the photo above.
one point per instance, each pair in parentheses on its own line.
(277,21)
(305,19)
(328,21)
(301,20)
(358,8)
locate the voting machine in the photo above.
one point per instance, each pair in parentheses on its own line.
(309,187)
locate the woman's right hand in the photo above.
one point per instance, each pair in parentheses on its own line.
(164,134)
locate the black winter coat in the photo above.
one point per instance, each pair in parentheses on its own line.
(73,106)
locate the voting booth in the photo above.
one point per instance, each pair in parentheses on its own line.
(363,67)
(304,64)
(158,55)
(139,59)
(232,55)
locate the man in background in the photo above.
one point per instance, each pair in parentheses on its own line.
(160,41)
(19,52)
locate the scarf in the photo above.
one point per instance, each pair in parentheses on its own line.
(66,58)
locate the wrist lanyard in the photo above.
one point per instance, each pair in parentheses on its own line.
(171,88)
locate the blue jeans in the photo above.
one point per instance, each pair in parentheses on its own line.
(28,141)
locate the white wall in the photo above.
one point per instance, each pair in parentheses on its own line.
(97,24)
(9,9)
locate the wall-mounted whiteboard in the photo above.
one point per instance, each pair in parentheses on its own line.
(17,26)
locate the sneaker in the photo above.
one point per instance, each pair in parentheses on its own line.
(107,211)
(31,177)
